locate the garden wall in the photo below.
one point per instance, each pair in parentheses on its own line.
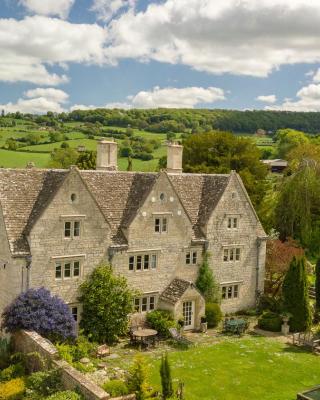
(30,342)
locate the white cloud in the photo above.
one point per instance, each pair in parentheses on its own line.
(59,8)
(170,97)
(106,9)
(316,76)
(221,36)
(38,101)
(308,100)
(267,99)
(29,46)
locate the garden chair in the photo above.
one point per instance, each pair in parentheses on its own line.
(307,339)
(175,335)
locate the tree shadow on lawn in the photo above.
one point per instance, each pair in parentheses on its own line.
(290,348)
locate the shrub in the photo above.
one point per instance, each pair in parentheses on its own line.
(166,380)
(107,301)
(44,383)
(161,321)
(267,303)
(270,321)
(206,282)
(12,390)
(116,388)
(36,310)
(213,314)
(137,381)
(81,348)
(4,353)
(13,371)
(65,395)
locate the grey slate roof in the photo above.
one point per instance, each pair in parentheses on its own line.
(24,193)
(173,293)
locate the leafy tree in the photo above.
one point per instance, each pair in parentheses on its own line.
(317,284)
(55,136)
(11,144)
(221,152)
(206,282)
(137,381)
(295,296)
(87,160)
(63,158)
(166,380)
(278,258)
(37,310)
(107,300)
(288,139)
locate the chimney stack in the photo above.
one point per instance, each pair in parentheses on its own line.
(107,154)
(174,158)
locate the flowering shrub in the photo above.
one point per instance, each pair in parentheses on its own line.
(36,310)
(12,390)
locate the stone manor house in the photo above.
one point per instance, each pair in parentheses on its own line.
(56,226)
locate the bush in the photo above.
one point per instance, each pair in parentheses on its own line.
(161,321)
(65,395)
(81,348)
(206,282)
(213,314)
(36,310)
(137,381)
(44,383)
(4,353)
(12,390)
(13,371)
(270,321)
(116,388)
(267,303)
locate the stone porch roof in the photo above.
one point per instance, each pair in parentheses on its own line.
(173,293)
(25,193)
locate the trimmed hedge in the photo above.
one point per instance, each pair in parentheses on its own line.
(161,321)
(213,314)
(270,321)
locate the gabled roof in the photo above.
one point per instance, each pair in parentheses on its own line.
(173,293)
(25,193)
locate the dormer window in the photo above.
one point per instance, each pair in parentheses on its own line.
(161,225)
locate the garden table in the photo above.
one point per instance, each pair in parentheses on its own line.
(235,326)
(144,335)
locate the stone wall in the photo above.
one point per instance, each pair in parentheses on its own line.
(31,342)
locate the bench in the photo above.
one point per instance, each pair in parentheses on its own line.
(307,339)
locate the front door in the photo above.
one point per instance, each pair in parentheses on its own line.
(188,314)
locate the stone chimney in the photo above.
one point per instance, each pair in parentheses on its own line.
(107,154)
(174,158)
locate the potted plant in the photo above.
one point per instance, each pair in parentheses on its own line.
(285,328)
(204,324)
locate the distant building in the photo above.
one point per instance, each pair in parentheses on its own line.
(277,165)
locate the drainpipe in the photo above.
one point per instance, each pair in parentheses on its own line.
(257,268)
(28,268)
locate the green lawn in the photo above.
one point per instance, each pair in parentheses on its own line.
(231,368)
(242,369)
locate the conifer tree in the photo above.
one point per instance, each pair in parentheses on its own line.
(166,381)
(318,285)
(206,282)
(295,295)
(137,381)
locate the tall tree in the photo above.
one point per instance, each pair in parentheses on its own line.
(206,282)
(295,296)
(166,380)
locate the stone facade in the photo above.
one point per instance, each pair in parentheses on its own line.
(117,214)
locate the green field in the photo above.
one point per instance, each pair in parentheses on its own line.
(14,159)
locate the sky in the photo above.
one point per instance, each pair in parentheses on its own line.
(61,55)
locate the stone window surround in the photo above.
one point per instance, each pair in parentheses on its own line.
(72,219)
(235,285)
(144,301)
(191,257)
(230,219)
(237,252)
(65,260)
(150,253)
(161,222)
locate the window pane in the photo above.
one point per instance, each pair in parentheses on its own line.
(237,254)
(225,255)
(67,229)
(231,254)
(188,258)
(164,224)
(235,291)
(229,292)
(157,225)
(144,305)
(153,261)
(76,228)
(139,262)
(131,263)
(67,270)
(58,271)
(74,312)
(76,268)
(194,257)
(229,222)
(146,261)
(151,303)
(235,222)
(137,305)
(224,292)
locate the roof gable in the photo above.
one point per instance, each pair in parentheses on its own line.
(175,290)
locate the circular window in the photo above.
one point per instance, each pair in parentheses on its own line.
(162,196)
(73,197)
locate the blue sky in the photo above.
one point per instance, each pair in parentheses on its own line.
(242,54)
